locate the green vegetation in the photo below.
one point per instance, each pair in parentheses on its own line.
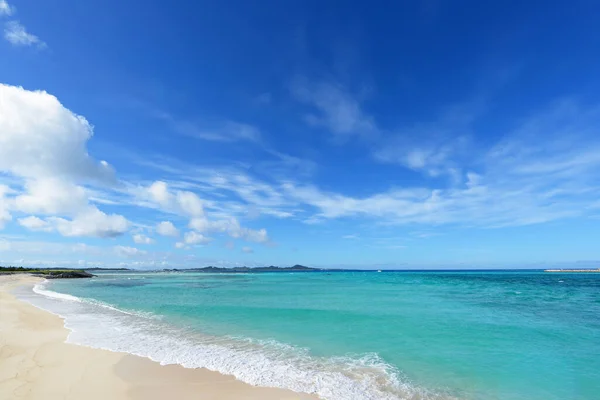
(47,273)
(37,270)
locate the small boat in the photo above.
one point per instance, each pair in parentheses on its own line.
(378,270)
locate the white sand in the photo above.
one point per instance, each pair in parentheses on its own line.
(36,363)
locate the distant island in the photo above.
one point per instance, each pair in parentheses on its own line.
(221,270)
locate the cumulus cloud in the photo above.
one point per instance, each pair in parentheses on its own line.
(190,205)
(142,239)
(43,144)
(181,202)
(231,227)
(166,228)
(16,34)
(34,223)
(126,251)
(51,196)
(195,238)
(192,238)
(93,223)
(247,250)
(37,133)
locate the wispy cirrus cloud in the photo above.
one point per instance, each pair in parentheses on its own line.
(333,107)
(439,147)
(225,131)
(16,34)
(516,181)
(6,9)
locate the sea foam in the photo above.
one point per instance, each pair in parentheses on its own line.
(260,363)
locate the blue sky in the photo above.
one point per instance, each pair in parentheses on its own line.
(427,134)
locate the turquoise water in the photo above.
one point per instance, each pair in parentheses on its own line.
(355,335)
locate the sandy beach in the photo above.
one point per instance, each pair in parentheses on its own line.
(36,363)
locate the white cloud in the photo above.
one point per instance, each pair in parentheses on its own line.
(231,227)
(190,205)
(142,239)
(159,192)
(487,200)
(25,248)
(228,131)
(440,147)
(256,236)
(247,250)
(193,238)
(43,144)
(166,228)
(17,35)
(179,201)
(37,133)
(51,196)
(34,223)
(337,109)
(126,251)
(5,215)
(6,9)
(234,192)
(520,180)
(196,238)
(92,222)
(224,131)
(434,159)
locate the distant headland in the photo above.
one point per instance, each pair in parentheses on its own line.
(221,270)
(48,273)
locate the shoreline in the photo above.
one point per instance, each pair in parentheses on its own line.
(37,363)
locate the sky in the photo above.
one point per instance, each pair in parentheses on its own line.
(416,134)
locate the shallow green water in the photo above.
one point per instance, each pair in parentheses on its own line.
(472,335)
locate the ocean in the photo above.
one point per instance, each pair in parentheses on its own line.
(352,335)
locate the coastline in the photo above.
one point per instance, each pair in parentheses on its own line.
(36,363)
